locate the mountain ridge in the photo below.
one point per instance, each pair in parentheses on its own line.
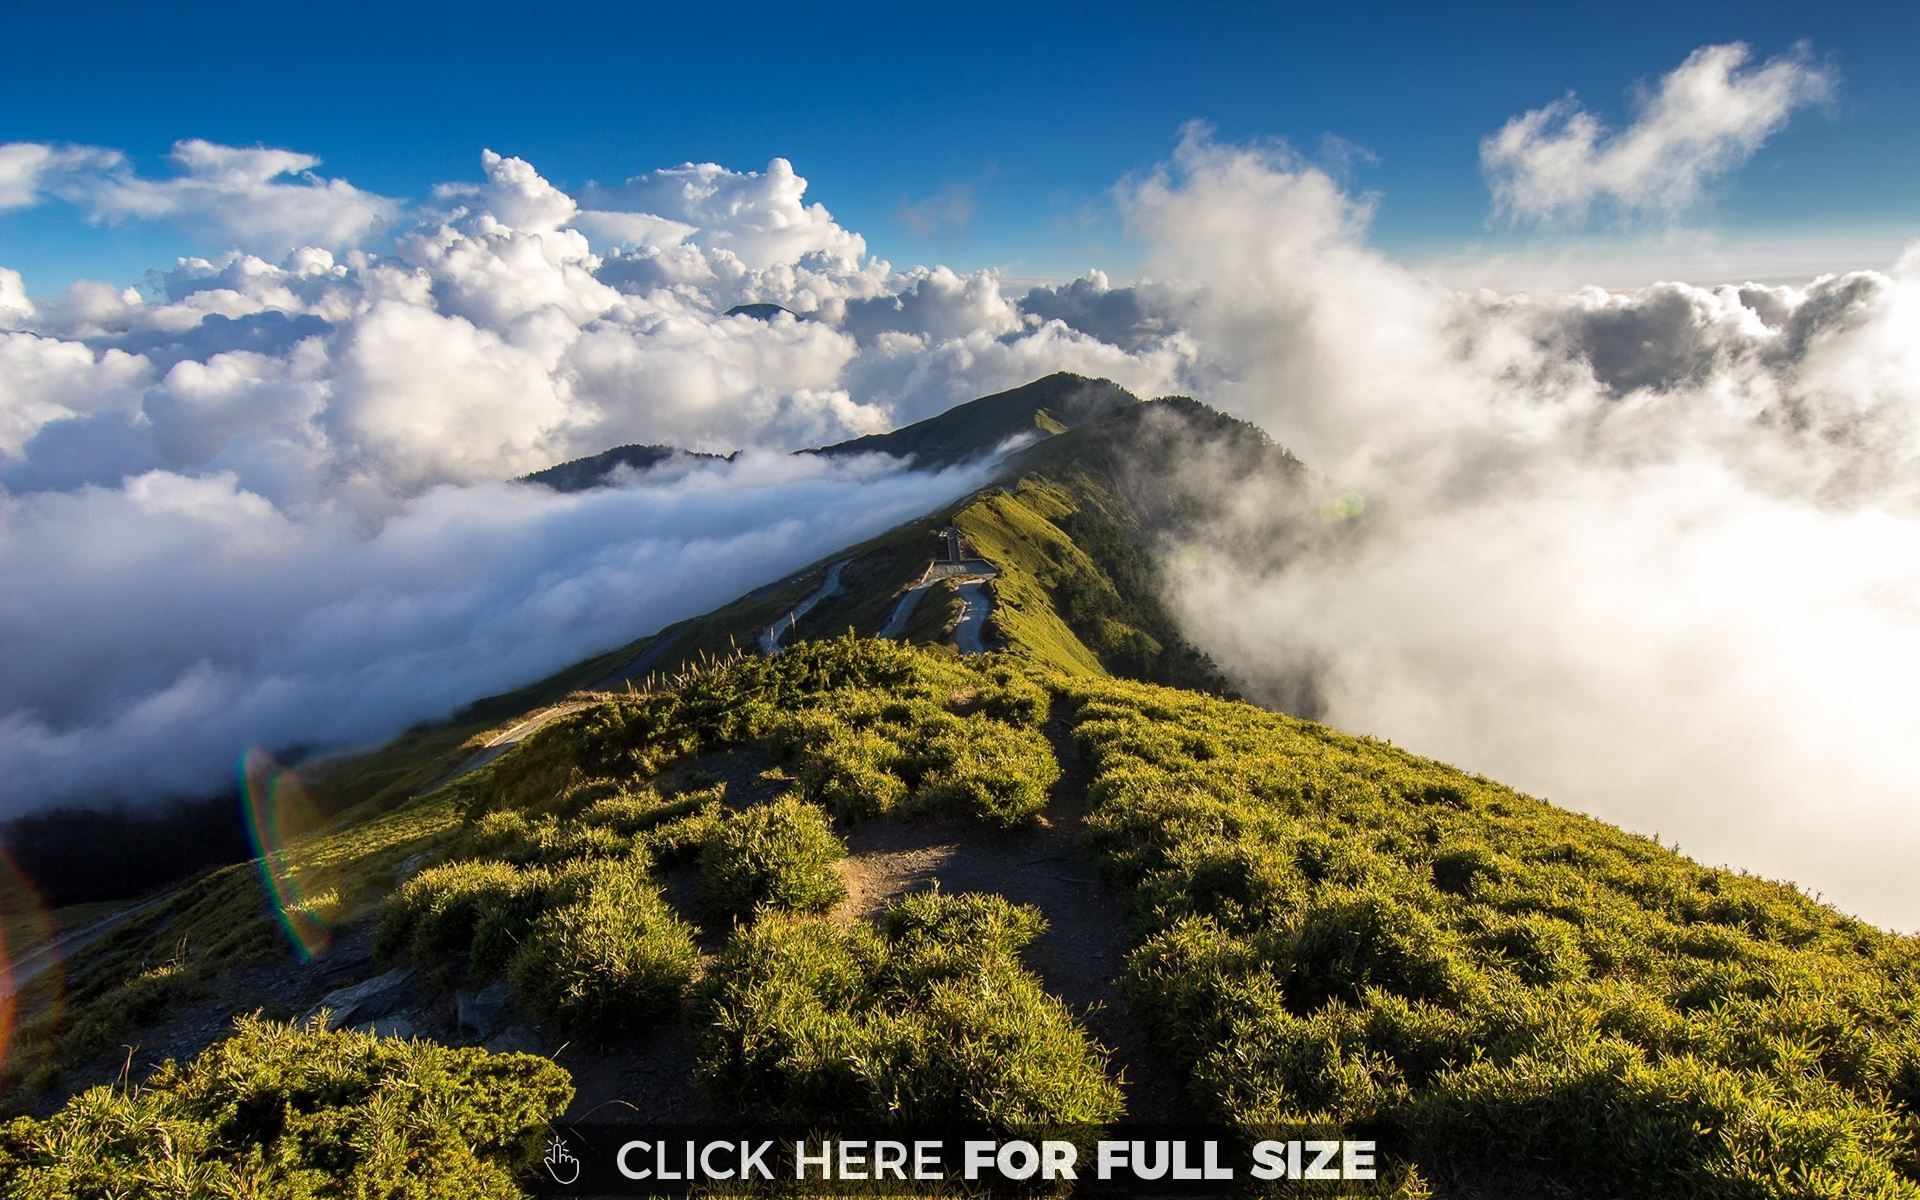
(1049,405)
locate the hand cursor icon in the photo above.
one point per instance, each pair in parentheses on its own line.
(564,1167)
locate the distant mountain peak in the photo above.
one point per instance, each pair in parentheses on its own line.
(596,470)
(1048,406)
(764,312)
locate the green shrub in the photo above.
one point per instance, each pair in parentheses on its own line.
(932,1020)
(780,1020)
(615,958)
(1347,944)
(1465,870)
(279,1111)
(679,838)
(992,1047)
(779,855)
(1542,949)
(852,775)
(1178,980)
(980,767)
(1016,698)
(440,914)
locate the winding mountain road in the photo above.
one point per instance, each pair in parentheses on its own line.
(34,963)
(771,635)
(897,621)
(973,618)
(971,576)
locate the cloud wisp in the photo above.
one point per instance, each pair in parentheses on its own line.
(1704,118)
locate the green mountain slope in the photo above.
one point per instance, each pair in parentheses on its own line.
(1303,926)
(1072,525)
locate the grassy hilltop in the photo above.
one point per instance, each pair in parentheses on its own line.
(1068,881)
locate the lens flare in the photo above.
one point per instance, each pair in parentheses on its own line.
(1347,506)
(26,945)
(279,814)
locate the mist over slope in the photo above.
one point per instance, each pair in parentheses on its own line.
(310,633)
(1596,545)
(319,441)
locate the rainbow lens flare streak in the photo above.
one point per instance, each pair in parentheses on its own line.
(27,948)
(278,814)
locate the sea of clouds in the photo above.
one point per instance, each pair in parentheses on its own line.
(1653,554)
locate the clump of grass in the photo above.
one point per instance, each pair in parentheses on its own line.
(1015,696)
(590,945)
(779,855)
(615,958)
(984,768)
(457,916)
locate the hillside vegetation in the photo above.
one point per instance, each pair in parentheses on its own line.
(1110,470)
(1323,928)
(1336,929)
(278,1111)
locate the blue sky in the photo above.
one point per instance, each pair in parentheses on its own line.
(1031,117)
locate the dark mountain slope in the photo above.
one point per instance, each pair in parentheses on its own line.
(597,470)
(1042,408)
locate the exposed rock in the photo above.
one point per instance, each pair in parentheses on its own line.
(400,1026)
(514,1039)
(485,1012)
(370,998)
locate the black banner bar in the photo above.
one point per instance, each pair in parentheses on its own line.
(635,1159)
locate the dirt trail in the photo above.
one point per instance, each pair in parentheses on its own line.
(1083,953)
